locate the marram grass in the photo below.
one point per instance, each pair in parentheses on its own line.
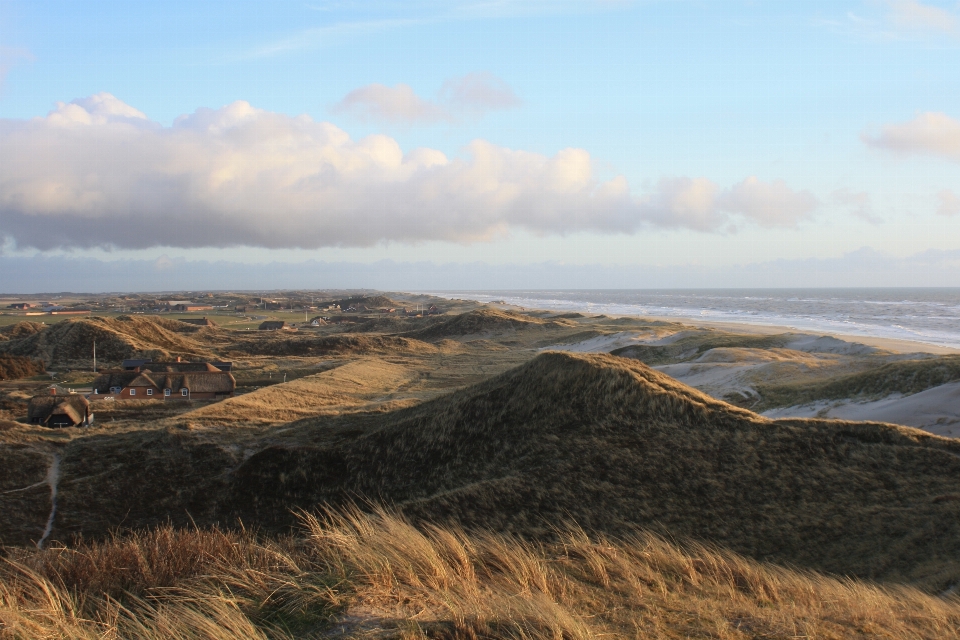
(349,574)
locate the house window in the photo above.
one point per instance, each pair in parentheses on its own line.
(166,392)
(133,392)
(114,389)
(149,392)
(184,392)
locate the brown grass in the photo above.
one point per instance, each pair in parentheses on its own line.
(71,341)
(362,383)
(354,575)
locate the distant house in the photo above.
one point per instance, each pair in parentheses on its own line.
(203,322)
(71,312)
(57,411)
(19,305)
(272,325)
(169,381)
(191,307)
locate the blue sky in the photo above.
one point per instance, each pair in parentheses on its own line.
(697,135)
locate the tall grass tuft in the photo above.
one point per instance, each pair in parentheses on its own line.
(354,574)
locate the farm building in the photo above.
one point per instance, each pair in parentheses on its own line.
(57,411)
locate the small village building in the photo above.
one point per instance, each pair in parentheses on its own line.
(59,410)
(20,305)
(272,325)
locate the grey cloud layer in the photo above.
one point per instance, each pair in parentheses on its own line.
(97,172)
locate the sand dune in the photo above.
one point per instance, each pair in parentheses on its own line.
(365,383)
(936,410)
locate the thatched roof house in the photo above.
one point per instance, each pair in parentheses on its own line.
(171,380)
(58,411)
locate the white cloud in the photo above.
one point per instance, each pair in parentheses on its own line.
(97,173)
(479,91)
(949,203)
(378,102)
(915,15)
(930,133)
(473,94)
(768,203)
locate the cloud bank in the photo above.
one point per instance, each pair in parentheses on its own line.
(97,172)
(930,133)
(473,94)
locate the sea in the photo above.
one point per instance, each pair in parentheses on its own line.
(928,315)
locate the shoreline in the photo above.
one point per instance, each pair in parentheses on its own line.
(896,345)
(947,345)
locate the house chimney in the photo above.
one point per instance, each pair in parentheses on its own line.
(178,358)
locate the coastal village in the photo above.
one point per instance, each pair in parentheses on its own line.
(140,379)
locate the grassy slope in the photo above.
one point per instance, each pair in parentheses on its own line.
(117,338)
(610,444)
(351,386)
(601,441)
(377,576)
(905,377)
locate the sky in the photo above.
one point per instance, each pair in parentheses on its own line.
(478,144)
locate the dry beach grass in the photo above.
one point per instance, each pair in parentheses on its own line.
(351,574)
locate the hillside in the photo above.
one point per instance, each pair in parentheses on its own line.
(479,324)
(600,441)
(117,338)
(350,387)
(14,367)
(273,344)
(357,576)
